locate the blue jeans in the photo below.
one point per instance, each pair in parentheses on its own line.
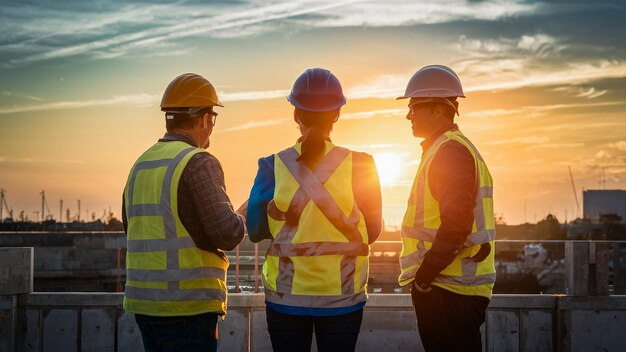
(332,333)
(168,334)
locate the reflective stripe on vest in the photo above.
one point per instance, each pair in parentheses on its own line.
(311,189)
(422,221)
(167,275)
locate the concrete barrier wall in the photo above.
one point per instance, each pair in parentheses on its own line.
(96,322)
(16,277)
(72,261)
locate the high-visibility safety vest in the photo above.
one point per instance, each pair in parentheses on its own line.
(318,257)
(422,220)
(167,275)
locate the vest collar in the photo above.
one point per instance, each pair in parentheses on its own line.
(302,137)
(428,142)
(178,136)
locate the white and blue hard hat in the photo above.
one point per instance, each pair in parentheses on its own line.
(317,90)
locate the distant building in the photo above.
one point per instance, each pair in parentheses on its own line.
(603,202)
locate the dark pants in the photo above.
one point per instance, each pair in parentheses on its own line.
(294,332)
(448,321)
(168,334)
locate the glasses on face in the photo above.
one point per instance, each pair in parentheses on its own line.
(213,115)
(412,107)
(430,100)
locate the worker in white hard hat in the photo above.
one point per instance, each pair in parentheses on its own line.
(179,221)
(320,205)
(448,229)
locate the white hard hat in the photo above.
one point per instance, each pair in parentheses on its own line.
(434,81)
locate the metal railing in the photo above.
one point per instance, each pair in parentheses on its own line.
(523,267)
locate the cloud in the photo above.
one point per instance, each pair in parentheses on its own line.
(533,60)
(619,145)
(536,42)
(373,113)
(120,32)
(554,146)
(520,140)
(255,95)
(480,75)
(406,13)
(382,86)
(112,29)
(24,96)
(39,161)
(582,92)
(610,126)
(141,100)
(539,45)
(502,77)
(254,124)
(541,110)
(135,99)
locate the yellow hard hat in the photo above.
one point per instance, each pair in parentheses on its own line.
(189,90)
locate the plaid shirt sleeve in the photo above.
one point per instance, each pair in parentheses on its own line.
(204,206)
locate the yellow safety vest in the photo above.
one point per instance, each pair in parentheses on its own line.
(167,275)
(422,220)
(318,257)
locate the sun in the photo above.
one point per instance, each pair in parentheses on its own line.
(389,167)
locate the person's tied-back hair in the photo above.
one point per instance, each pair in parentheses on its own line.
(313,141)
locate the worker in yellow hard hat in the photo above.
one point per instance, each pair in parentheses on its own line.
(448,230)
(179,220)
(320,205)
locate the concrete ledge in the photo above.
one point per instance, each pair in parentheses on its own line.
(525,301)
(16,270)
(96,321)
(78,299)
(593,303)
(375,301)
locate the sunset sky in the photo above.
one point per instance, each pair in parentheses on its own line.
(80,84)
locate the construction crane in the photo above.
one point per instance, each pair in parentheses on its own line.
(3,204)
(574,190)
(44,203)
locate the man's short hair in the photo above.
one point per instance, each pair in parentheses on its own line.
(184,118)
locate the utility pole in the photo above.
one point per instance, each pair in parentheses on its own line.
(44,203)
(43,200)
(79,210)
(3,203)
(61,210)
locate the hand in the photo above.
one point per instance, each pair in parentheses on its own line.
(243,209)
(423,288)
